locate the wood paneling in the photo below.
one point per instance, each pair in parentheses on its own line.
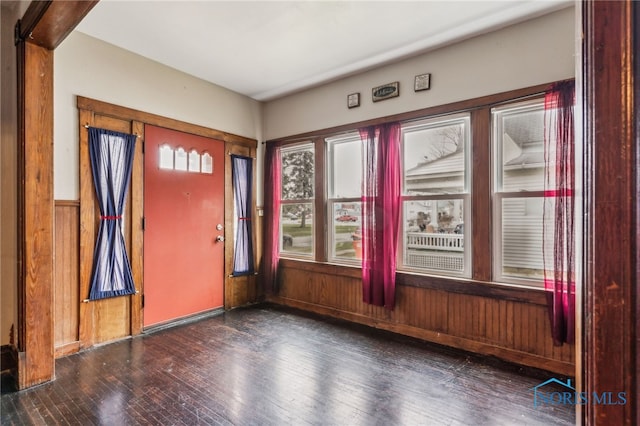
(66,293)
(108,319)
(35,215)
(241,290)
(512,330)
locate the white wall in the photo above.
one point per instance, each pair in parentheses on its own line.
(89,67)
(534,52)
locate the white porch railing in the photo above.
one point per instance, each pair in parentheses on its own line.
(435,241)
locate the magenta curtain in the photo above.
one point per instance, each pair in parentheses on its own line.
(381,183)
(273,175)
(558,222)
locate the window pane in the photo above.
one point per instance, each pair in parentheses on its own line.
(519,135)
(297,173)
(345,166)
(346,234)
(194,161)
(207,163)
(297,228)
(435,157)
(166,157)
(181,159)
(434,235)
(522,238)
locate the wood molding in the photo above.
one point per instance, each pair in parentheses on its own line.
(67,203)
(107,109)
(136,206)
(67,349)
(611,152)
(481,194)
(87,234)
(47,23)
(506,354)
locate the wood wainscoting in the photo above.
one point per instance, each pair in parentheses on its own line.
(510,324)
(66,278)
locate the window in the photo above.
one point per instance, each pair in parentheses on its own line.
(446,230)
(518,151)
(344,187)
(184,161)
(297,200)
(435,201)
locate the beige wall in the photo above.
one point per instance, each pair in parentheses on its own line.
(89,67)
(10,12)
(530,53)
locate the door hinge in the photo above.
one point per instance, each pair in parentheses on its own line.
(143,223)
(143,147)
(143,300)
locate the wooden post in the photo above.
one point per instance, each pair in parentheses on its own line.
(35,215)
(611,229)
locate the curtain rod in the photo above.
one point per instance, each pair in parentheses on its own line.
(86,126)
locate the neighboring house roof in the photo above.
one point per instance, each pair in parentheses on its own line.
(447,164)
(527,159)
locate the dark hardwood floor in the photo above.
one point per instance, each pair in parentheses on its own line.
(268,365)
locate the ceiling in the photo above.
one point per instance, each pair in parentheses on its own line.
(268,49)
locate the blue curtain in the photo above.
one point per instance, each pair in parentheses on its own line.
(242,170)
(111,155)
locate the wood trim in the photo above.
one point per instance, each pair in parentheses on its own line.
(87,233)
(611,152)
(67,349)
(36,212)
(481,194)
(124,113)
(137,233)
(67,203)
(47,23)
(466,105)
(321,220)
(518,357)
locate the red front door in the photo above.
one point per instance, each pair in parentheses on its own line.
(184,214)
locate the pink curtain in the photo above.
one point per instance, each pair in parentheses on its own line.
(381,182)
(273,177)
(558,222)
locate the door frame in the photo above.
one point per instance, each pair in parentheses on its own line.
(234,144)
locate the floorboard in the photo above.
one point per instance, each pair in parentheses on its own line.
(269,365)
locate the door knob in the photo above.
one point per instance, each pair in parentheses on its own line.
(219,239)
